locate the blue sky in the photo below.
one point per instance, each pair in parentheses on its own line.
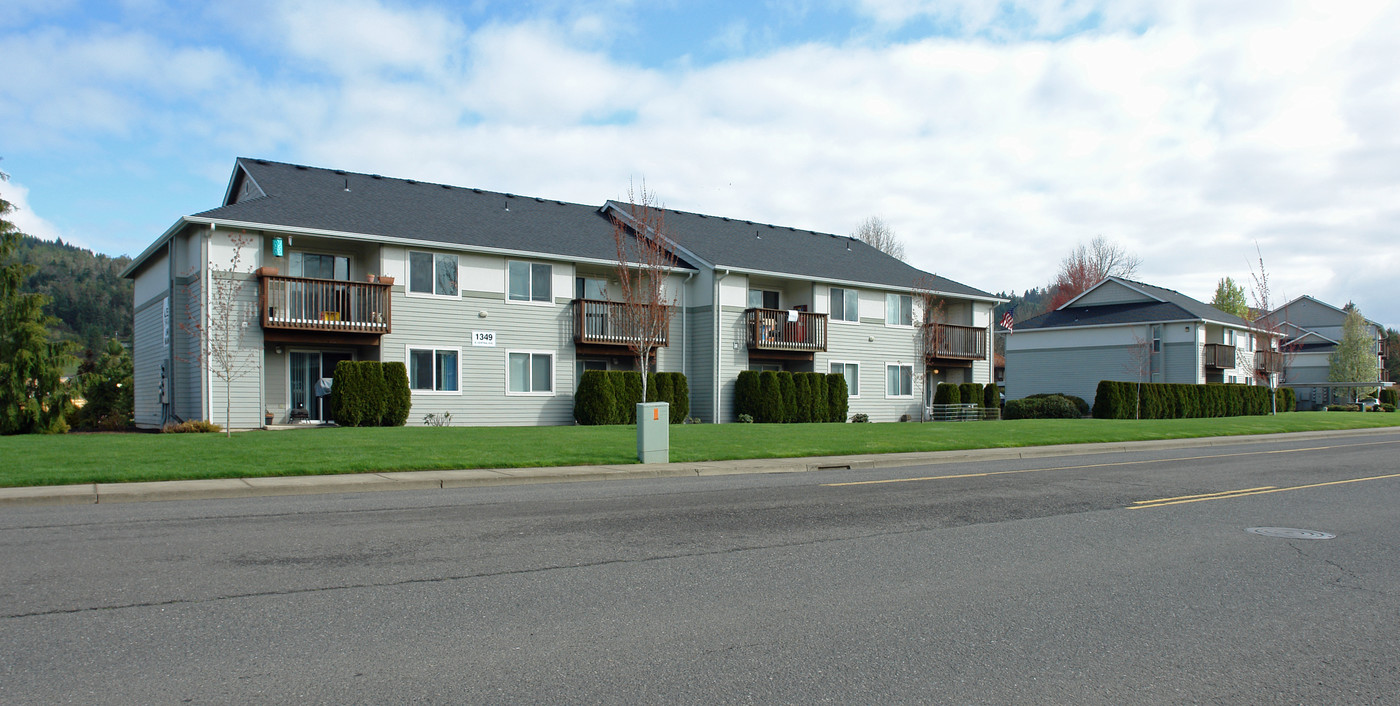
(993,136)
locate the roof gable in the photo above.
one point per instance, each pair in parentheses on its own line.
(1111,291)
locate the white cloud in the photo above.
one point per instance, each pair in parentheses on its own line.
(24,217)
(1185,131)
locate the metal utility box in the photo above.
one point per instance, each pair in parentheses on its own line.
(654,432)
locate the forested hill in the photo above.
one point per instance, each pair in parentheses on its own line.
(86,291)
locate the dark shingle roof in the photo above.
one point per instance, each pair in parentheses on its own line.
(1174,306)
(313,198)
(741,244)
(309,197)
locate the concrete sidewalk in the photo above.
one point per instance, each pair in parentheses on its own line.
(92,493)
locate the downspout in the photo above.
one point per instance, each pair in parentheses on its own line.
(168,324)
(718,349)
(206,370)
(684,288)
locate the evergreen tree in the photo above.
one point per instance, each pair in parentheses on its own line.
(106,381)
(1354,359)
(1229,298)
(34,398)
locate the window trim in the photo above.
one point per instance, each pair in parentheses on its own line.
(408,272)
(531,301)
(832,308)
(900,297)
(553,372)
(844,364)
(408,366)
(909,396)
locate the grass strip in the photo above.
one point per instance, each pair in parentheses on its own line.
(116,458)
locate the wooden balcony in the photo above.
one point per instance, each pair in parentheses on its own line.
(604,324)
(1219,356)
(304,310)
(950,345)
(1268,362)
(782,331)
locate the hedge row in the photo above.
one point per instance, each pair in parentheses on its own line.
(611,396)
(368,393)
(1079,404)
(1390,396)
(1042,407)
(771,397)
(1116,400)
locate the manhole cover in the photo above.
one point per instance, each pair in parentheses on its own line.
(1290,533)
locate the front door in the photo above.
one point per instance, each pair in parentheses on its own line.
(307,369)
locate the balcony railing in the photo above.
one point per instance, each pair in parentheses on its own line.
(304,304)
(1219,355)
(953,342)
(1268,361)
(782,330)
(606,323)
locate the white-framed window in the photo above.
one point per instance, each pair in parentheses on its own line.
(845,305)
(1156,338)
(899,309)
(763,299)
(851,371)
(432,274)
(530,372)
(530,282)
(433,370)
(899,380)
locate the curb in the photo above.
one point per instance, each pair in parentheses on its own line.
(219,488)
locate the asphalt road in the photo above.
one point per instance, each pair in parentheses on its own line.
(1113,578)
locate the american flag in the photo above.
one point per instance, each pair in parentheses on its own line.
(1007,319)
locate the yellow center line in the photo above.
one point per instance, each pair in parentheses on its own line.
(1254,491)
(1203,496)
(1098,465)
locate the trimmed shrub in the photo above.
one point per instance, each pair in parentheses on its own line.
(1046,407)
(1390,396)
(1079,404)
(947,393)
(770,399)
(653,391)
(860,418)
(191,426)
(376,392)
(746,389)
(680,398)
(398,399)
(788,388)
(820,402)
(837,399)
(970,393)
(661,383)
(802,390)
(991,396)
(347,398)
(593,401)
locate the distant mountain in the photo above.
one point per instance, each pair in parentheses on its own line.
(86,291)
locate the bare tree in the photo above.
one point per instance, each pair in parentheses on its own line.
(1271,330)
(931,333)
(643,261)
(878,234)
(1086,265)
(221,331)
(1139,364)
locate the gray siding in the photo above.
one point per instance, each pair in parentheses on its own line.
(1181,363)
(148,354)
(701,360)
(891,345)
(449,323)
(241,382)
(1074,371)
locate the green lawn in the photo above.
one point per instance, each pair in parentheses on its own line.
(107,458)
